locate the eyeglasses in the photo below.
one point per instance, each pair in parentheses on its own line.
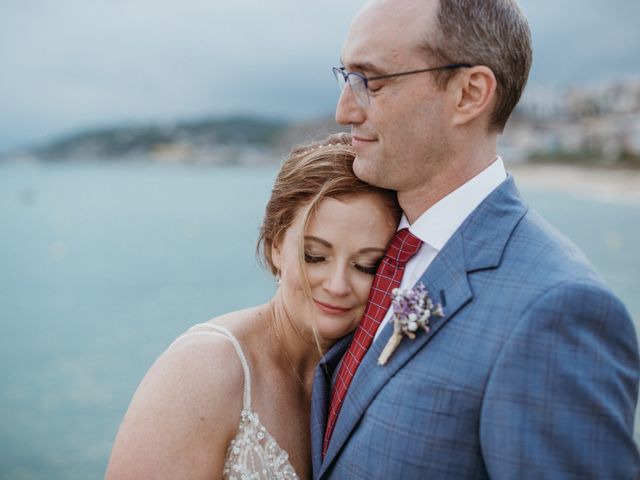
(360,83)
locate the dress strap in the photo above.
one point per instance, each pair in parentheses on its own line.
(219,330)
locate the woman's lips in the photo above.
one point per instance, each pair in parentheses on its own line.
(331,309)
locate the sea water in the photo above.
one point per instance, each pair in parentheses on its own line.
(103,265)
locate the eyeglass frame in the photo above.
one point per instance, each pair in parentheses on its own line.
(345,75)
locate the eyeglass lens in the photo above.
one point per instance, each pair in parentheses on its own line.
(356,83)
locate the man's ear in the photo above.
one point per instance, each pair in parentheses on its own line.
(475,94)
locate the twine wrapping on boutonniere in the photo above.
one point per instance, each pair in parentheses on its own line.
(412,310)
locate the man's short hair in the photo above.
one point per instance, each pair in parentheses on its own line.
(494,33)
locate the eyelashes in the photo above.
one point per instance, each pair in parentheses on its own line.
(308,258)
(369,270)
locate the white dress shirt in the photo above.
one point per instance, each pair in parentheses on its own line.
(438,224)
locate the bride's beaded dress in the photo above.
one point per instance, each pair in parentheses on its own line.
(253,454)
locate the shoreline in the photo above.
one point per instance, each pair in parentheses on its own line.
(607,184)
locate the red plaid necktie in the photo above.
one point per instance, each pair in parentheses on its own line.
(403,246)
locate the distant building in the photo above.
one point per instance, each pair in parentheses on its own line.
(596,124)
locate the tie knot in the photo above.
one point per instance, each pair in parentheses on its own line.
(403,246)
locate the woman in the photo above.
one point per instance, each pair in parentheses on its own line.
(231,398)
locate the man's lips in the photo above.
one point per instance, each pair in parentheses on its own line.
(331,309)
(358,141)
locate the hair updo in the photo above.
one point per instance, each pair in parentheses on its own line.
(312,172)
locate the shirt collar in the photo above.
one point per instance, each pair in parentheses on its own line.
(438,224)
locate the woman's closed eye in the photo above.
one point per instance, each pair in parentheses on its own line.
(311,258)
(369,268)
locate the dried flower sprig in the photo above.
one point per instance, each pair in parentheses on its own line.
(412,311)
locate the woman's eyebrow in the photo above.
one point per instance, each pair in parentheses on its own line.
(329,245)
(372,249)
(319,240)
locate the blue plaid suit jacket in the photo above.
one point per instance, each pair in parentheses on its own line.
(532,373)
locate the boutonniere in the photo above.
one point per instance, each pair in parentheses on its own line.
(412,310)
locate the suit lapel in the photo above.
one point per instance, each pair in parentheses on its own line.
(478,244)
(321,396)
(371,377)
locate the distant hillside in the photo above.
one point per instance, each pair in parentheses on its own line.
(180,140)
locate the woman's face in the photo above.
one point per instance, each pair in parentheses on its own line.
(343,244)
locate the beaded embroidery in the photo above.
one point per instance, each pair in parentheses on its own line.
(255,455)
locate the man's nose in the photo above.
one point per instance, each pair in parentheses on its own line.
(348,111)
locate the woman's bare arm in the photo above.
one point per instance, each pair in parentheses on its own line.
(183,415)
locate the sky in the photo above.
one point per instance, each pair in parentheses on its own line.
(68,65)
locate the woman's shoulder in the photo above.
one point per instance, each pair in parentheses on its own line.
(199,375)
(245,327)
(211,353)
(216,351)
(187,407)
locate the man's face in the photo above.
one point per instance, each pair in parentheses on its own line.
(401,137)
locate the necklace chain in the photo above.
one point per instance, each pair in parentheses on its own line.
(274,323)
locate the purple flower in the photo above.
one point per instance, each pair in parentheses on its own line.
(412,309)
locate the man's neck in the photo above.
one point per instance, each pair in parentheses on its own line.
(417,201)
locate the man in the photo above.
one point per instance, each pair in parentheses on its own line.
(532,371)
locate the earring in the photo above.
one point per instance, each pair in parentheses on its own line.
(278,279)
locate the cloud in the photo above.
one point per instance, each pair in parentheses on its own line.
(583,40)
(68,64)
